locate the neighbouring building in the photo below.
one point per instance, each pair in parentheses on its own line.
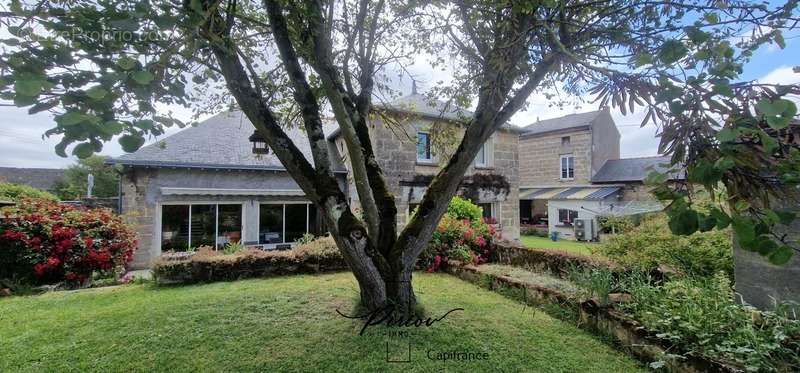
(39,178)
(204,186)
(570,169)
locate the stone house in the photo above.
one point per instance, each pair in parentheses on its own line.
(204,186)
(570,169)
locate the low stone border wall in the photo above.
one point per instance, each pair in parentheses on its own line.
(604,320)
(556,262)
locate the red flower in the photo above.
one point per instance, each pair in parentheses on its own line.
(88,241)
(480,241)
(40,269)
(468,234)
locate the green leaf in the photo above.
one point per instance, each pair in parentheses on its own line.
(83,150)
(126,63)
(97,93)
(779,113)
(704,173)
(781,255)
(727,134)
(724,163)
(42,106)
(144,124)
(745,230)
(779,39)
(672,51)
(683,222)
(71,118)
(712,18)
(706,223)
(721,218)
(143,77)
(112,128)
(131,143)
(29,87)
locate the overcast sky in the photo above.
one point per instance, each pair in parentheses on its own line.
(22,143)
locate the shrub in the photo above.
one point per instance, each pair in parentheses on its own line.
(17,192)
(529,230)
(46,242)
(209,265)
(701,317)
(616,224)
(461,209)
(651,243)
(464,239)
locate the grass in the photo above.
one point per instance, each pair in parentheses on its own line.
(576,247)
(530,277)
(283,324)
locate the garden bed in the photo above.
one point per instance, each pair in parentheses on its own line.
(603,319)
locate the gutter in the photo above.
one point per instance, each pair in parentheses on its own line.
(206,166)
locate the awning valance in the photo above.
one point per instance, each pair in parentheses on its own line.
(231,192)
(578,193)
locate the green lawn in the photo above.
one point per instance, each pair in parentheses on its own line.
(566,245)
(283,324)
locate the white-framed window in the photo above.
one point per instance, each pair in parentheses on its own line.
(424,147)
(567,167)
(567,217)
(286,222)
(191,225)
(482,158)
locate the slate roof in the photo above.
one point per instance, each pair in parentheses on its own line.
(219,142)
(630,169)
(421,105)
(561,123)
(40,178)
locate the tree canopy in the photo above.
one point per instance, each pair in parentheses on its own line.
(75,183)
(105,67)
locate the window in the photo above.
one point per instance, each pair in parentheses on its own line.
(285,223)
(185,226)
(567,216)
(488,209)
(482,158)
(424,147)
(567,167)
(565,141)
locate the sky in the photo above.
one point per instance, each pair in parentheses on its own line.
(22,143)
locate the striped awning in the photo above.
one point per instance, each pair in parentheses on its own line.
(579,193)
(231,192)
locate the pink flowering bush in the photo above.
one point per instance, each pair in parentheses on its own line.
(46,242)
(465,240)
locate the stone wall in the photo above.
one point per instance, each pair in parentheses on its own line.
(762,284)
(540,157)
(395,147)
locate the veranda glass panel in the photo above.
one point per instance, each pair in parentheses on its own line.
(296,218)
(174,227)
(270,228)
(204,225)
(230,224)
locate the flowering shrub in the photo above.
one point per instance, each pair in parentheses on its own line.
(47,242)
(463,239)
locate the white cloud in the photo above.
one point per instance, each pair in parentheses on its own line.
(782,75)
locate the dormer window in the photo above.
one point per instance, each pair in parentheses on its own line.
(424,153)
(567,167)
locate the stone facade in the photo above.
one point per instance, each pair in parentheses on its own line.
(540,162)
(395,147)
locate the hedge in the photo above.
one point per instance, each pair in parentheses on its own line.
(207,265)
